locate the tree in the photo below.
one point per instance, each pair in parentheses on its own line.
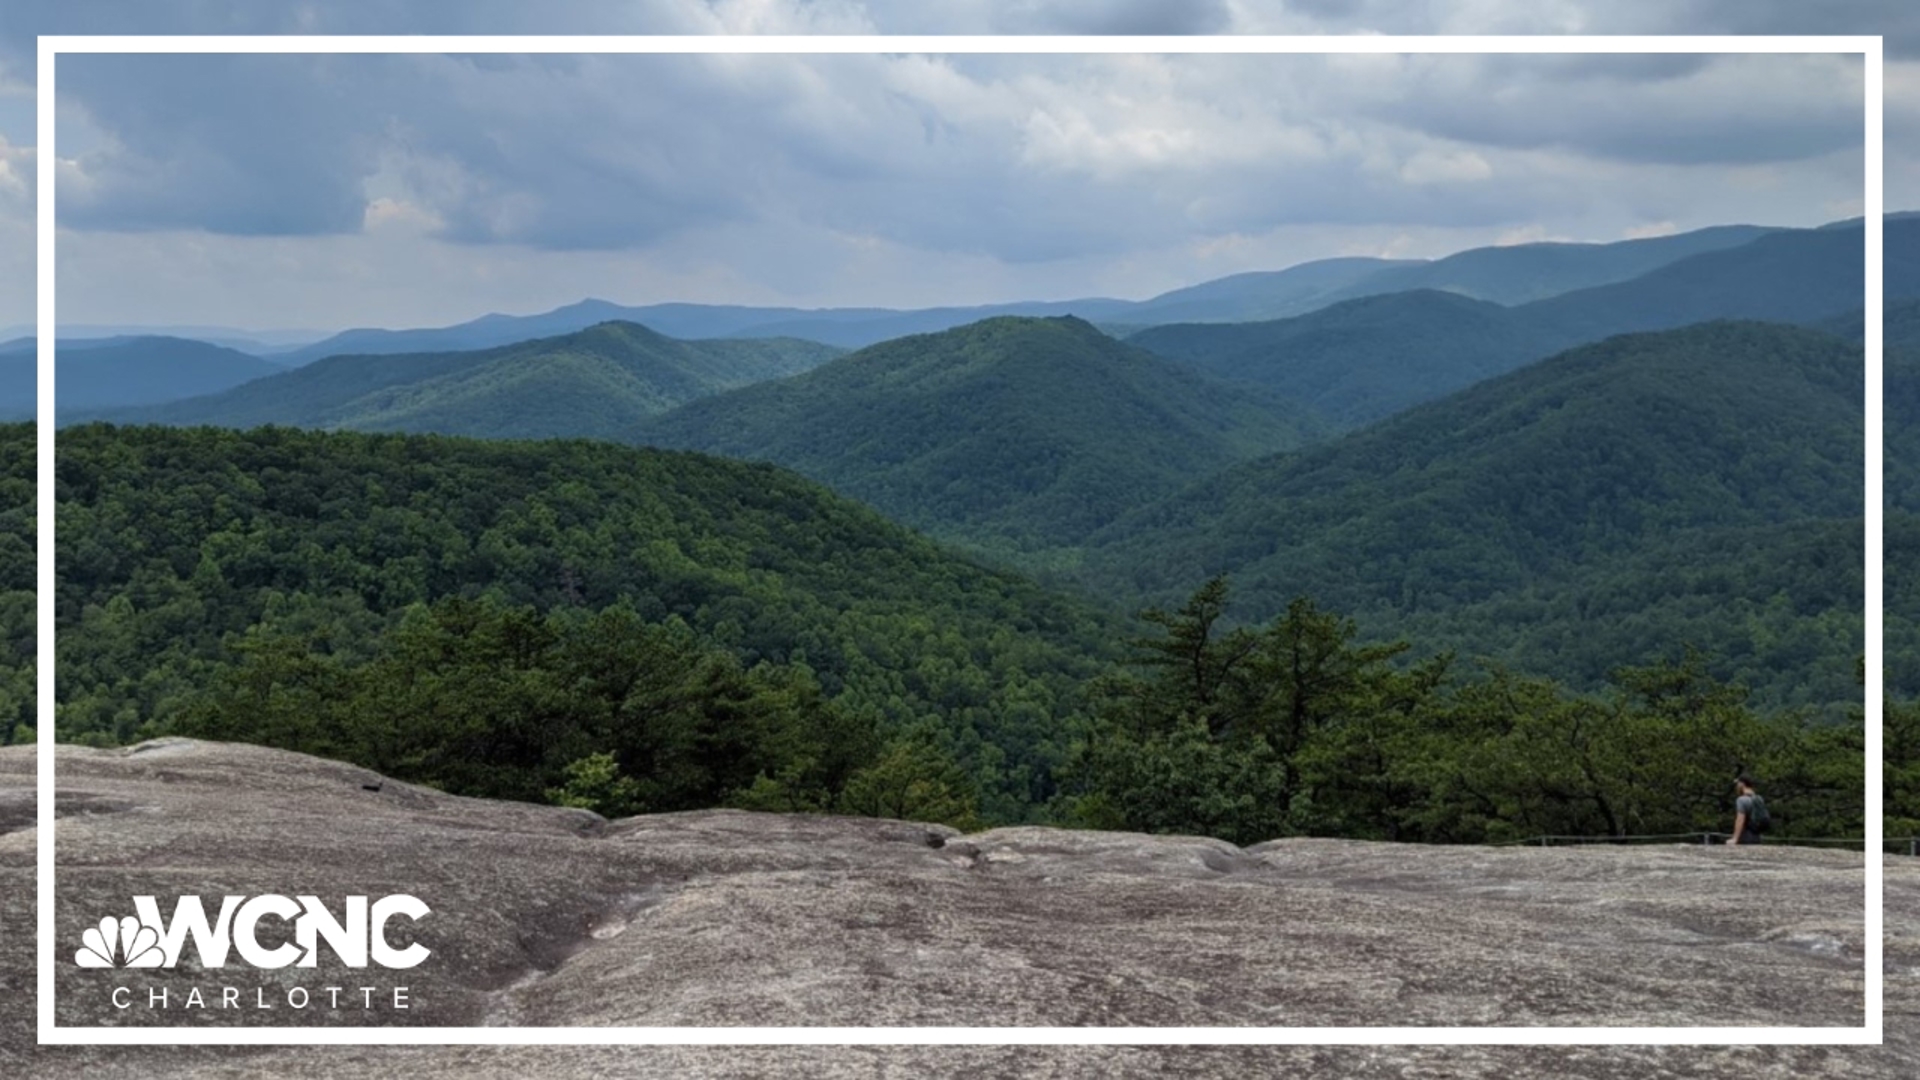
(913,780)
(1246,734)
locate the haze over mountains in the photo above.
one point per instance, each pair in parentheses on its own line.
(596,383)
(1355,360)
(1564,512)
(124,371)
(1505,274)
(1361,360)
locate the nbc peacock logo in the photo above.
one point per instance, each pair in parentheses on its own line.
(120,943)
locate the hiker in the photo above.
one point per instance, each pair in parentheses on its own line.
(1750,817)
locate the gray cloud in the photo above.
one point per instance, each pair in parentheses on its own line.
(1125,176)
(1020,159)
(1897,20)
(1680,110)
(233,144)
(1060,16)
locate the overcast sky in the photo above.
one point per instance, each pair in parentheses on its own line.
(325,192)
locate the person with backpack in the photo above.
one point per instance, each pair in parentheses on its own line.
(1750,817)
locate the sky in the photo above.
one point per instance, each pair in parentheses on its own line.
(322,192)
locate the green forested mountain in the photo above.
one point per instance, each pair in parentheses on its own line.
(1900,323)
(596,383)
(201,558)
(1361,360)
(1900,397)
(636,631)
(1697,486)
(1010,433)
(1801,276)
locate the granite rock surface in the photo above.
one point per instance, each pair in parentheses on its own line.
(546,917)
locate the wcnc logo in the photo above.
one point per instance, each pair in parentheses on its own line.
(357,936)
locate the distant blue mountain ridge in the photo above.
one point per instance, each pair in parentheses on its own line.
(131,370)
(1505,275)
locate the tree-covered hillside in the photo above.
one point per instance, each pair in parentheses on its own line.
(1011,434)
(1360,360)
(1698,486)
(184,552)
(595,383)
(1900,397)
(636,631)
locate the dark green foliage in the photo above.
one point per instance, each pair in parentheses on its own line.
(1247,735)
(912,779)
(1900,752)
(1296,729)
(637,631)
(17,687)
(595,383)
(1901,428)
(602,710)
(1608,506)
(1009,434)
(1900,323)
(191,558)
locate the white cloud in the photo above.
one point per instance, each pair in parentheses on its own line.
(1451,167)
(865,177)
(17,174)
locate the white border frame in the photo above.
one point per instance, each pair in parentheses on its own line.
(50,1034)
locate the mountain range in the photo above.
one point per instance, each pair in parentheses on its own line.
(1345,365)
(1597,476)
(594,383)
(1009,432)
(1361,360)
(1697,486)
(124,371)
(1505,274)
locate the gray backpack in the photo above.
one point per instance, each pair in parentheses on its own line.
(1757,818)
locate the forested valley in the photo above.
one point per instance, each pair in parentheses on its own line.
(636,631)
(1383,570)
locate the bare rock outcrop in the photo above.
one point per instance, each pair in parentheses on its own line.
(550,917)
